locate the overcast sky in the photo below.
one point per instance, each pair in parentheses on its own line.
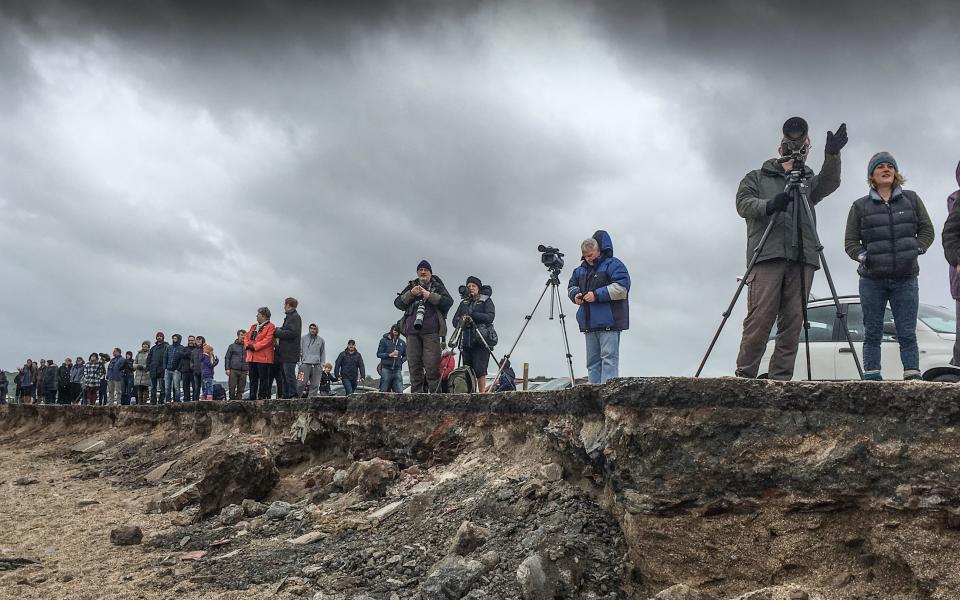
(169,167)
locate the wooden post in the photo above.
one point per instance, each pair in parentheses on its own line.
(526,376)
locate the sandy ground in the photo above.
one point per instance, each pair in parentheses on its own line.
(43,523)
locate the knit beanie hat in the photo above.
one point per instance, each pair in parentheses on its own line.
(881,157)
(474,279)
(425,265)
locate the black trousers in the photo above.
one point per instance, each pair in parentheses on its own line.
(261,380)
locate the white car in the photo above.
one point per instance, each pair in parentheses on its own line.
(830,356)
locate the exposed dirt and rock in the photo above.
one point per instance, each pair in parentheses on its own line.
(673,489)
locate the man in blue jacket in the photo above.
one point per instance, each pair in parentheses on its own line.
(599,286)
(392,353)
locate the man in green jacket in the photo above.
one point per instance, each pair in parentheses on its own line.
(774,291)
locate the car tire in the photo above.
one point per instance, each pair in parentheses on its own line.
(947,378)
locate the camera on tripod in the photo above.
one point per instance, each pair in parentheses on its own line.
(795,144)
(551,257)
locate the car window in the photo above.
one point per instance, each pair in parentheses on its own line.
(822,319)
(938,319)
(855,322)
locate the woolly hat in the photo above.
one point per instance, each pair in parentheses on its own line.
(881,157)
(425,265)
(474,279)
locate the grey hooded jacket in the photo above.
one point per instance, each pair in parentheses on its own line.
(766,182)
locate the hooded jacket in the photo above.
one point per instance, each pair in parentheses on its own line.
(951,239)
(386,347)
(263,346)
(173,355)
(313,350)
(482,311)
(76,374)
(766,182)
(288,334)
(438,304)
(609,280)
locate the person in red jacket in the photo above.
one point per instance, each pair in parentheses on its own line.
(448,362)
(259,345)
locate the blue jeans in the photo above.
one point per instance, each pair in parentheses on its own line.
(603,355)
(904,297)
(208,389)
(349,386)
(172,381)
(391,380)
(127,392)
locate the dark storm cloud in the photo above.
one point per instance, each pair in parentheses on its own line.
(174,164)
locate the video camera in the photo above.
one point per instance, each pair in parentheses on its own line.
(551,257)
(795,144)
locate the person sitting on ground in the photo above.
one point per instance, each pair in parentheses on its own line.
(508,379)
(448,362)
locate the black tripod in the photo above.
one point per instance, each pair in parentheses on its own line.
(553,284)
(796,182)
(456,341)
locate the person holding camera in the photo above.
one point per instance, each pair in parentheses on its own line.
(475,316)
(600,287)
(259,345)
(774,285)
(392,353)
(886,231)
(424,302)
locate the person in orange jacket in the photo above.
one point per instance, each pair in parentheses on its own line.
(259,345)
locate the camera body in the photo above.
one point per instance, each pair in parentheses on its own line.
(421,312)
(551,257)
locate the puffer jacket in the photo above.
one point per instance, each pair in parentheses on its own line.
(141,375)
(951,239)
(263,346)
(609,280)
(386,347)
(766,182)
(76,374)
(235,358)
(891,234)
(482,311)
(349,366)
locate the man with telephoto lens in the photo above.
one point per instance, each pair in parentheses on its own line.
(424,302)
(774,285)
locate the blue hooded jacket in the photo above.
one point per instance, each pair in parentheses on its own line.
(609,280)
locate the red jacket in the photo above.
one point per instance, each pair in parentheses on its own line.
(263,347)
(447,364)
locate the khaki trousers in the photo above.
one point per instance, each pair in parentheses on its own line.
(773,295)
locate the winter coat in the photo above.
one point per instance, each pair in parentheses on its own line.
(325,380)
(49,378)
(172,356)
(288,334)
(386,347)
(92,373)
(609,280)
(114,369)
(76,374)
(763,184)
(349,366)
(893,234)
(141,376)
(507,381)
(313,350)
(263,345)
(437,306)
(482,311)
(189,361)
(155,359)
(235,358)
(63,375)
(127,368)
(951,239)
(206,365)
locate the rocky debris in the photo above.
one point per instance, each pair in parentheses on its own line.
(278,510)
(159,472)
(252,508)
(308,538)
(89,446)
(129,535)
(192,556)
(451,579)
(9,564)
(232,514)
(178,500)
(385,511)
(681,592)
(87,502)
(537,581)
(26,481)
(469,537)
(371,477)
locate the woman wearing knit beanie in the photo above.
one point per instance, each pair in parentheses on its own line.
(886,231)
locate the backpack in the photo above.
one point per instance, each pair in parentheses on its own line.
(462,380)
(218,392)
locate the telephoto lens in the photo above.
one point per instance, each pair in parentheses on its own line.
(418,321)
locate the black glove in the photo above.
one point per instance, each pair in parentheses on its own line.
(836,141)
(778,203)
(251,348)
(467,321)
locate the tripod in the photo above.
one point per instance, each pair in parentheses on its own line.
(556,300)
(456,341)
(795,183)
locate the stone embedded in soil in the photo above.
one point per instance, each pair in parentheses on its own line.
(680,592)
(252,508)
(26,481)
(451,579)
(371,476)
(159,472)
(308,538)
(87,502)
(469,537)
(799,595)
(130,535)
(240,470)
(551,472)
(232,514)
(537,578)
(386,511)
(180,499)
(278,510)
